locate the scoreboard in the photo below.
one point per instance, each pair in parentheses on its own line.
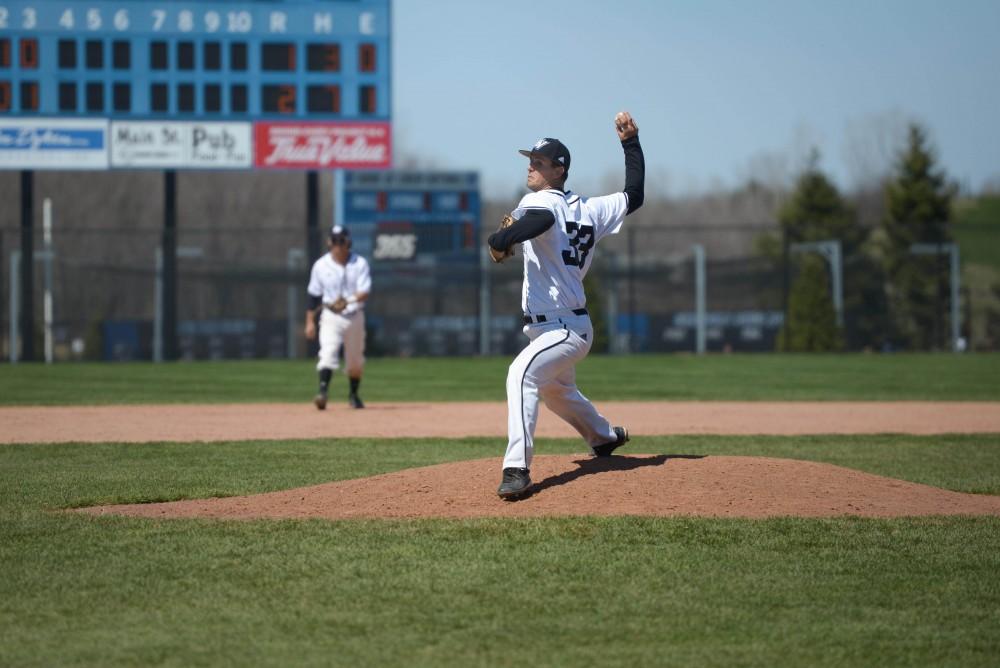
(404,216)
(265,84)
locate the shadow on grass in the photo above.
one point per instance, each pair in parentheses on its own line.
(596,465)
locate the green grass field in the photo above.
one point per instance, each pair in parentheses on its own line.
(941,377)
(620,591)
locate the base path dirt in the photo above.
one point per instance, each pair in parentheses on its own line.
(652,485)
(237,422)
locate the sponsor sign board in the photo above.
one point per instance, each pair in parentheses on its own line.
(322,145)
(181,145)
(53,143)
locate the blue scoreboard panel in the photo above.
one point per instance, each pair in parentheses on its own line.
(311,75)
(405,215)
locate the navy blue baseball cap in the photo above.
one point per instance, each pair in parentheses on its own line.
(339,234)
(550,148)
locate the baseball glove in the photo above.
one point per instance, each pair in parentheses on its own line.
(500,256)
(338,305)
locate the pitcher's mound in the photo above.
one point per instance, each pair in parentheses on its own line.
(659,485)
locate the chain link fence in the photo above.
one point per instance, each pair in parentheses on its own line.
(241,294)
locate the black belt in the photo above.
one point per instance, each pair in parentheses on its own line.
(532,319)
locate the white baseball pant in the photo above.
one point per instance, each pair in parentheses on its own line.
(335,329)
(546,369)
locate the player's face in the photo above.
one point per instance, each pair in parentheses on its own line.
(542,173)
(340,250)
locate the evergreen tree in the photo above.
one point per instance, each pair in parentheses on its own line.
(812,325)
(817,212)
(918,209)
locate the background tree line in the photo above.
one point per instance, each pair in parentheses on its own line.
(894,299)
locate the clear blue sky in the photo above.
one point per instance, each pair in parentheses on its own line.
(721,89)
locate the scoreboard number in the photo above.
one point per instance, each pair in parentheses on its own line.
(277,57)
(395,246)
(278,98)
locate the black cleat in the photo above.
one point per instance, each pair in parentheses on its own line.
(605,449)
(516,482)
(320,400)
(355,401)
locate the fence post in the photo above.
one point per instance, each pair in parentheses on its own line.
(611,301)
(956,279)
(699,298)
(485,307)
(27,299)
(15,311)
(785,281)
(631,290)
(830,251)
(47,255)
(950,249)
(312,212)
(169,267)
(294,262)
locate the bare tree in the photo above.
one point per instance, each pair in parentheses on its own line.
(871,144)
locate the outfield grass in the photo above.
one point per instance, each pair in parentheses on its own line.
(849,377)
(109,591)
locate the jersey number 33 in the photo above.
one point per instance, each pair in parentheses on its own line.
(581,240)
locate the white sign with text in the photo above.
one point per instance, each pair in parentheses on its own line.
(181,145)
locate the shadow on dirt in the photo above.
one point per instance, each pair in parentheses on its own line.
(597,465)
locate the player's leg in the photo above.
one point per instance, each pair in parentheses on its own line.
(329,343)
(563,398)
(354,356)
(548,355)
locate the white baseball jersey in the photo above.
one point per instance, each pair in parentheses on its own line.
(330,280)
(556,261)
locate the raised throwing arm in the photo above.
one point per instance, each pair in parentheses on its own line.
(635,163)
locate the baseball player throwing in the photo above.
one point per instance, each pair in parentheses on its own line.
(558,230)
(339,284)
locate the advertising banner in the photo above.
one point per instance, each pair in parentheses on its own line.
(322,145)
(40,143)
(181,145)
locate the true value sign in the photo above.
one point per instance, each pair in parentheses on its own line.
(323,145)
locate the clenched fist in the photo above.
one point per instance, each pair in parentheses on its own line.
(625,125)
